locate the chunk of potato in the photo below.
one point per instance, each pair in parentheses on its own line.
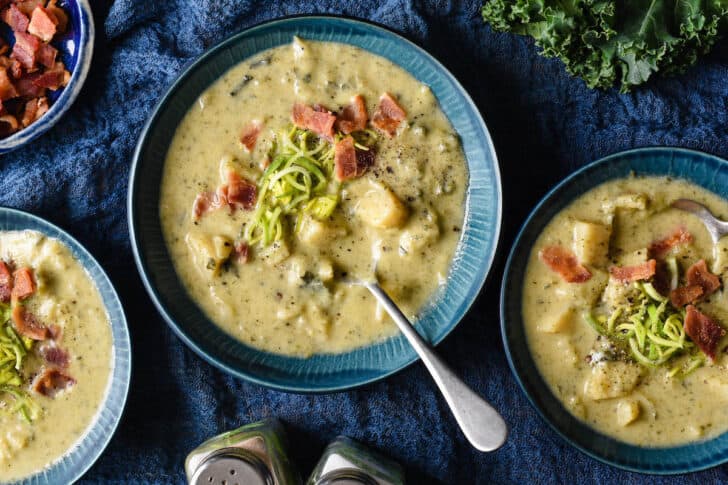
(209,252)
(627,201)
(317,233)
(628,410)
(557,320)
(583,294)
(421,230)
(379,207)
(591,243)
(567,353)
(612,379)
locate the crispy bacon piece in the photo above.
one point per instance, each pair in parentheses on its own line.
(34,109)
(25,49)
(16,19)
(27,324)
(242,252)
(241,193)
(55,332)
(7,89)
(27,6)
(52,381)
(699,275)
(353,117)
(249,135)
(628,274)
(26,86)
(206,202)
(703,331)
(349,162)
(47,55)
(53,354)
(679,297)
(23,283)
(6,282)
(660,248)
(564,262)
(388,116)
(317,119)
(42,24)
(58,14)
(51,79)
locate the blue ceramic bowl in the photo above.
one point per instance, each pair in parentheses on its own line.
(75,49)
(699,168)
(79,459)
(320,373)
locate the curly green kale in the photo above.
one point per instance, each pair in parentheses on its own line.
(608,42)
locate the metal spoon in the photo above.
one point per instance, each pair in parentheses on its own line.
(481,424)
(715,227)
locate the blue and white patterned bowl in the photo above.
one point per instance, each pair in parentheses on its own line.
(320,373)
(699,168)
(79,459)
(75,49)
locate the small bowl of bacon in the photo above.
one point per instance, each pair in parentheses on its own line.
(45,54)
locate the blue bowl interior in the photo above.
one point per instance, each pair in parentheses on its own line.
(705,170)
(75,48)
(74,464)
(320,373)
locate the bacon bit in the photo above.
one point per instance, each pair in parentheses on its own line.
(23,284)
(703,331)
(47,55)
(51,79)
(6,282)
(206,202)
(249,135)
(16,19)
(27,324)
(349,162)
(58,14)
(27,6)
(353,117)
(241,193)
(663,246)
(7,90)
(563,262)
(25,49)
(388,116)
(52,381)
(34,109)
(699,275)
(53,354)
(679,297)
(628,274)
(318,119)
(27,87)
(55,332)
(242,252)
(42,25)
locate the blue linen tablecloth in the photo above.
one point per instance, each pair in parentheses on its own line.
(544,125)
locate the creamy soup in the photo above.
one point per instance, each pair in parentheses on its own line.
(624,308)
(55,319)
(402,203)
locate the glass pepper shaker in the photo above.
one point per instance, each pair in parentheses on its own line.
(254,454)
(347,462)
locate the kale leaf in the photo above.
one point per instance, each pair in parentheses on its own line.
(608,42)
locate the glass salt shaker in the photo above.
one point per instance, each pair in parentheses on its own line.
(254,454)
(347,462)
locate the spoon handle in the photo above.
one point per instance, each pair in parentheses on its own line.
(481,424)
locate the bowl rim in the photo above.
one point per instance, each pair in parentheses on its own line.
(74,246)
(60,106)
(140,260)
(507,271)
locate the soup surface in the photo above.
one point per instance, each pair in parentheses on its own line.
(634,345)
(276,277)
(56,320)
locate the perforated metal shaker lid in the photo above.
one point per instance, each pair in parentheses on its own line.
(232,466)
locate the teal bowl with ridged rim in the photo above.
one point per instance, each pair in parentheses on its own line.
(323,372)
(84,453)
(707,171)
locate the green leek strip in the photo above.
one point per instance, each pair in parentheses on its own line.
(638,356)
(653,293)
(613,319)
(589,318)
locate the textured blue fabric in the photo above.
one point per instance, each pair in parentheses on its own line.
(544,125)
